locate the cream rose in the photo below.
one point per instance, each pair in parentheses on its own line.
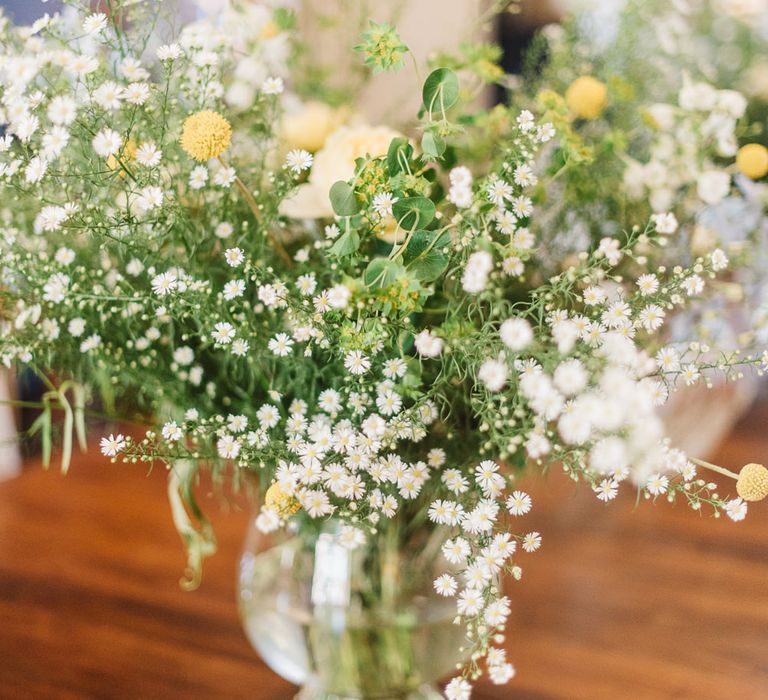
(334,162)
(310,126)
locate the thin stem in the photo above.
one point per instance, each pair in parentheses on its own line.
(715,468)
(254,207)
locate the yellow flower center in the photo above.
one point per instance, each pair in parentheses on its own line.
(586,97)
(752,484)
(205,135)
(752,160)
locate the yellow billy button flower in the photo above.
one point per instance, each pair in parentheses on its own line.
(752,160)
(752,484)
(281,502)
(586,97)
(205,135)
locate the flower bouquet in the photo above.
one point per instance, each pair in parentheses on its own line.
(370,329)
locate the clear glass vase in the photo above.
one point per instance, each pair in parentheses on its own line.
(349,625)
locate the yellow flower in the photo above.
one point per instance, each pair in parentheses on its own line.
(752,484)
(129,153)
(586,97)
(205,135)
(280,502)
(752,160)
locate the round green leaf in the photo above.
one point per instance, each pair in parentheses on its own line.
(382,272)
(343,199)
(441,90)
(414,212)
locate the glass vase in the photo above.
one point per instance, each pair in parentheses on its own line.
(362,624)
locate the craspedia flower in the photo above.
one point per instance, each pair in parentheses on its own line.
(281,502)
(586,97)
(752,484)
(752,160)
(205,135)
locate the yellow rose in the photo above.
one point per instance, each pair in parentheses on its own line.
(334,162)
(311,125)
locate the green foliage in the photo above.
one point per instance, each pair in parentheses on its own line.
(441,90)
(383,48)
(414,212)
(343,199)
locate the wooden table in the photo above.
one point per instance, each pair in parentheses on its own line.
(619,603)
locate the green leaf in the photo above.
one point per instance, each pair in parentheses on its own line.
(382,272)
(414,212)
(400,152)
(433,145)
(441,90)
(424,255)
(343,199)
(346,244)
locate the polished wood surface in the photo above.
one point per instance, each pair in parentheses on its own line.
(653,602)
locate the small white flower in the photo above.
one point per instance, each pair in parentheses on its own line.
(718,259)
(272,86)
(427,344)
(445,585)
(112,445)
(62,110)
(394,368)
(736,509)
(234,257)
(94,23)
(458,689)
(172,432)
(493,373)
(136,93)
(531,542)
(148,155)
(164,283)
(224,177)
(281,344)
(519,503)
(228,446)
(665,223)
(108,95)
(657,484)
(298,160)
(356,363)
(107,142)
(169,52)
(516,334)
(607,489)
(223,333)
(149,198)
(234,289)
(382,203)
(647,284)
(198,177)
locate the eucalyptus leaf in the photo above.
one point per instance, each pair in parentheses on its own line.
(424,255)
(441,90)
(413,212)
(343,199)
(400,150)
(346,244)
(382,272)
(433,145)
